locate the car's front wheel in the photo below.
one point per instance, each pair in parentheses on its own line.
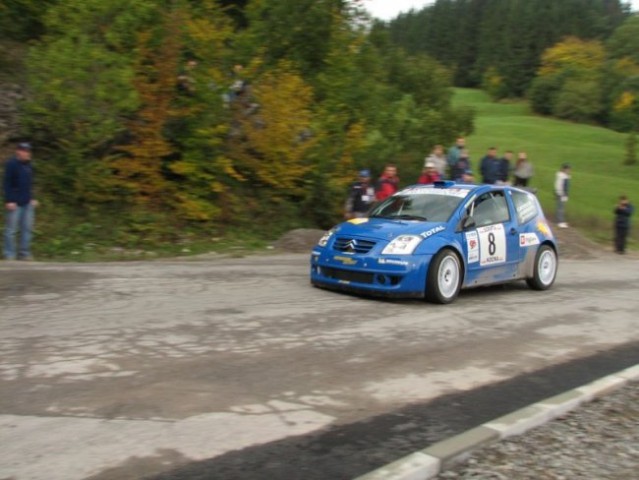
(545,270)
(444,277)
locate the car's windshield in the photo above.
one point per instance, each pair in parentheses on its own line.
(421,204)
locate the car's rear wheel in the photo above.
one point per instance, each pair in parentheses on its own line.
(444,277)
(545,270)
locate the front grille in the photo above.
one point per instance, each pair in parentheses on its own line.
(347,275)
(353,245)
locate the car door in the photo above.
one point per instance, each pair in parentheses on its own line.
(491,240)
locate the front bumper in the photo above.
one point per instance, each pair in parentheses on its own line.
(387,275)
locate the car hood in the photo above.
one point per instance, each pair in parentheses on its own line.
(385,229)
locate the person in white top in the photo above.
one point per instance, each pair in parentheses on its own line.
(562,184)
(437,158)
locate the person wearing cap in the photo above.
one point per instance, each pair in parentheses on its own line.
(429,174)
(562,184)
(19,204)
(361,196)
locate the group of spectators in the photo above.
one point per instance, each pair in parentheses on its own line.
(453,165)
(493,170)
(456,166)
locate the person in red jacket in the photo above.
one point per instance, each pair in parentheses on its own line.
(388,183)
(429,174)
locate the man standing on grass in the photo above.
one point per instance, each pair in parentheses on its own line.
(489,167)
(454,152)
(623,211)
(562,184)
(19,204)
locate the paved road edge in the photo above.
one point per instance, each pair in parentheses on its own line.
(429,462)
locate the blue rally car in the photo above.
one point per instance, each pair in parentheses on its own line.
(432,240)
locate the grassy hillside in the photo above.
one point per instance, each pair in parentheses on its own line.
(596,155)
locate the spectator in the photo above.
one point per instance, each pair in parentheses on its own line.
(429,174)
(19,204)
(462,168)
(503,173)
(437,158)
(490,167)
(467,177)
(360,197)
(185,80)
(562,184)
(388,183)
(455,151)
(523,170)
(623,211)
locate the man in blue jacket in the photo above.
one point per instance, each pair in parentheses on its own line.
(623,211)
(490,167)
(19,204)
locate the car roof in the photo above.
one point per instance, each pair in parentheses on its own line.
(448,184)
(443,185)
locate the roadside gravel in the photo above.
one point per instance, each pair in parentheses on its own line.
(597,441)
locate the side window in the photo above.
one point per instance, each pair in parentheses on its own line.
(525,206)
(490,208)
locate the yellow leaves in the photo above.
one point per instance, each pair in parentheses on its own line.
(625,101)
(225,164)
(573,53)
(278,134)
(626,67)
(194,208)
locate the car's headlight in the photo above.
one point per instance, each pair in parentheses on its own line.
(402,245)
(326,237)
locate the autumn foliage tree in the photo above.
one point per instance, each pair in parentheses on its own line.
(275,133)
(139,171)
(570,80)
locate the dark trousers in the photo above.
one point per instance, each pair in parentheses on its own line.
(621,234)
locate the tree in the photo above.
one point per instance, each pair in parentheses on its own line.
(141,170)
(23,19)
(272,142)
(570,81)
(624,42)
(507,36)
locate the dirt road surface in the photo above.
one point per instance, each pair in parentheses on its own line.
(135,370)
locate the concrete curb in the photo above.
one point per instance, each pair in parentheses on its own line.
(429,462)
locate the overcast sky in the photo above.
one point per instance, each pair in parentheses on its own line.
(387,9)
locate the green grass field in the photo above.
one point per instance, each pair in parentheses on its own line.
(596,155)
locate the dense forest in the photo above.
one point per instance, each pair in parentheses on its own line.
(574,59)
(163,115)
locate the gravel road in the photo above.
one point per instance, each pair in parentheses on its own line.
(600,440)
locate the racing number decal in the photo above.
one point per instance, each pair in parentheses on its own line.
(492,244)
(492,247)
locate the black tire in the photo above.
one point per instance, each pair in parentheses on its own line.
(444,277)
(545,270)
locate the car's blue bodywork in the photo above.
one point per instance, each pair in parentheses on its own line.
(355,255)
